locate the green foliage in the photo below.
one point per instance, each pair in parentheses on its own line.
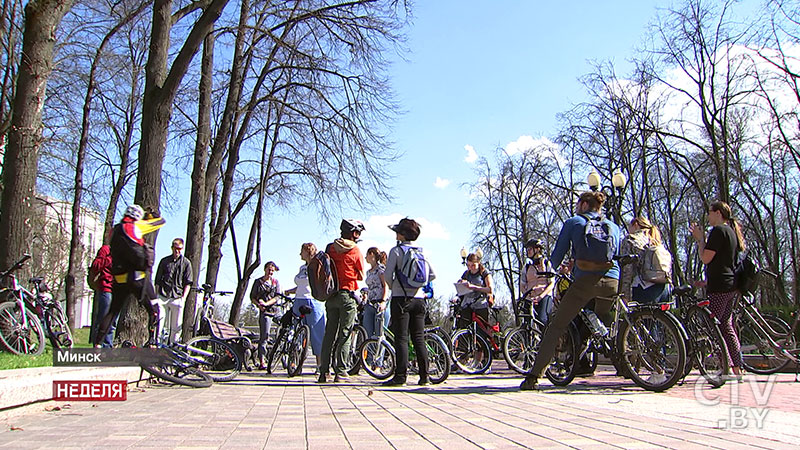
(11,361)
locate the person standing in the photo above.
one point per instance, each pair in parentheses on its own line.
(593,279)
(100,281)
(173,283)
(131,259)
(263,296)
(377,292)
(718,253)
(408,307)
(541,287)
(342,306)
(302,297)
(641,235)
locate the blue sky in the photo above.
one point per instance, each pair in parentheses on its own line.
(478,74)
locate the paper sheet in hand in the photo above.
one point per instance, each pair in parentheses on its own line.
(462,289)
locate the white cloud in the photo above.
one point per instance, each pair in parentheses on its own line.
(526,143)
(471,155)
(441,183)
(378,234)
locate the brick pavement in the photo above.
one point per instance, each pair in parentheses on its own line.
(256,411)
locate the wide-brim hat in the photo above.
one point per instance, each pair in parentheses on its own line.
(409,228)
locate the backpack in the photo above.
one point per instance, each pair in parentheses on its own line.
(595,252)
(322,276)
(93,278)
(414,269)
(655,265)
(745,272)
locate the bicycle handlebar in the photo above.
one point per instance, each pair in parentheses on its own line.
(17,265)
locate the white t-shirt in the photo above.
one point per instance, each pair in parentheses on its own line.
(301,280)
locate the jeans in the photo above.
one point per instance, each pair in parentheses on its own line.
(264,325)
(341,317)
(657,293)
(408,315)
(544,309)
(170,317)
(370,319)
(101,306)
(120,293)
(577,296)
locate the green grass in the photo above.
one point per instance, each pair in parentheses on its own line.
(9,360)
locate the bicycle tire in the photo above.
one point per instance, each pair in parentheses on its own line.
(709,350)
(758,356)
(438,358)
(224,365)
(467,348)
(57,329)
(276,353)
(357,338)
(177,374)
(562,368)
(17,339)
(377,358)
(651,349)
(298,349)
(520,347)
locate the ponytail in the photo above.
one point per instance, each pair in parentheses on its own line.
(727,215)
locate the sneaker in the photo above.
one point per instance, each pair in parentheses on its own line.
(656,378)
(341,378)
(394,382)
(322,379)
(530,384)
(424,382)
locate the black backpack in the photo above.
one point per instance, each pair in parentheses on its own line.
(745,272)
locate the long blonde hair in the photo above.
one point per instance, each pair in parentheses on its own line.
(651,230)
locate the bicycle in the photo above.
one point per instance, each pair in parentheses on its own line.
(181,368)
(20,330)
(643,342)
(378,358)
(475,345)
(521,343)
(705,346)
(768,343)
(206,326)
(291,344)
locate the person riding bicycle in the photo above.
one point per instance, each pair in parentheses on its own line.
(596,276)
(131,260)
(541,287)
(341,308)
(480,301)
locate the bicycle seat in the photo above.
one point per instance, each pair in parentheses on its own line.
(305,310)
(685,289)
(206,287)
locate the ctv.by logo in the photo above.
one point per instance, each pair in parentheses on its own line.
(740,417)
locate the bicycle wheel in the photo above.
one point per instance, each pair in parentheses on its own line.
(177,374)
(377,358)
(758,355)
(651,349)
(17,338)
(438,358)
(562,368)
(277,353)
(708,346)
(357,337)
(57,329)
(297,351)
(520,347)
(224,363)
(471,352)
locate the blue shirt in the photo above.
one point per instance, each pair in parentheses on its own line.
(571,234)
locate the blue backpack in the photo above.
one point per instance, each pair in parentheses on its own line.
(595,252)
(413,269)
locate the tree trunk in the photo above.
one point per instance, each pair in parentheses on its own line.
(21,160)
(198,198)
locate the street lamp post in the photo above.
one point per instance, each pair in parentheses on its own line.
(614,193)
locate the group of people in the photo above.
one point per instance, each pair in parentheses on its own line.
(401,305)
(598,283)
(119,271)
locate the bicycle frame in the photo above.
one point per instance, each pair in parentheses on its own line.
(746,307)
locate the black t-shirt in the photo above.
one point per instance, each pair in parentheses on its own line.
(719,272)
